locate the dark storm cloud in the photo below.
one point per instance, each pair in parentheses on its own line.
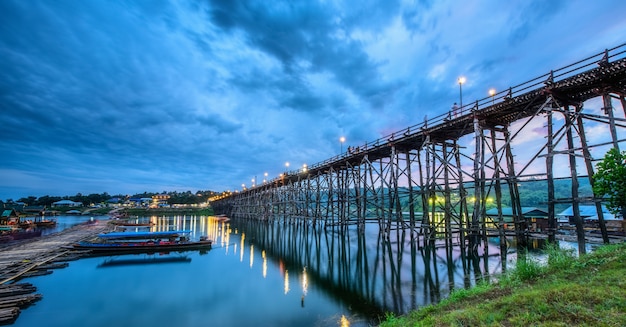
(306,31)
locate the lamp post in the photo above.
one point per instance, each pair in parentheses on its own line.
(264,178)
(461,80)
(341,140)
(492,93)
(286,166)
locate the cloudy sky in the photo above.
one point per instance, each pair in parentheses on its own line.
(131,96)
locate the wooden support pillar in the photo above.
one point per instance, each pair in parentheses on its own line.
(498,191)
(590,172)
(521,232)
(447,199)
(395,175)
(580,232)
(474,227)
(552,224)
(423,186)
(608,110)
(381,215)
(426,192)
(411,195)
(463,210)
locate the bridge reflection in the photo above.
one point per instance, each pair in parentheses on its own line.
(374,271)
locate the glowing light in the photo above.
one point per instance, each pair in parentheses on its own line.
(341,140)
(344,322)
(462,80)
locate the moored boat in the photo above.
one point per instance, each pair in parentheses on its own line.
(45,222)
(143,242)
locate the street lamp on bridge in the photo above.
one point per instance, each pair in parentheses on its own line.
(341,140)
(461,81)
(492,93)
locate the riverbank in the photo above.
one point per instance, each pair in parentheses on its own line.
(568,291)
(143,212)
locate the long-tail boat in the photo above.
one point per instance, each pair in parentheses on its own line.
(143,242)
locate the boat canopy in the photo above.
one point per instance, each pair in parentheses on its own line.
(143,235)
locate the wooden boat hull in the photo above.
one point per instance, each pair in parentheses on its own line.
(141,247)
(47,223)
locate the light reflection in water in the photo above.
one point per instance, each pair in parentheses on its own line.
(243,238)
(264,264)
(286,281)
(344,322)
(305,282)
(251,255)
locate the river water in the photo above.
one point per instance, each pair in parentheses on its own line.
(257,274)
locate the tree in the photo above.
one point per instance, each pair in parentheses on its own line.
(610,181)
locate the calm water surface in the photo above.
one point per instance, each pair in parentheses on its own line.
(256,274)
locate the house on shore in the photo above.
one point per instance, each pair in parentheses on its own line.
(67,203)
(535,218)
(589,215)
(9,216)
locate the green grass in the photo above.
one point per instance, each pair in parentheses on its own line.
(567,291)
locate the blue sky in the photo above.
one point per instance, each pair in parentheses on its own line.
(131,96)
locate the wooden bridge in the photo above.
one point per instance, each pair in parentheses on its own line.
(424,179)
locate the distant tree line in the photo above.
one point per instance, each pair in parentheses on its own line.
(187,197)
(532,193)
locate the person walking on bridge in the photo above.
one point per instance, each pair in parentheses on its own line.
(455,110)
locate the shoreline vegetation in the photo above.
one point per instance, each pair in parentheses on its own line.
(129,212)
(566,290)
(208,211)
